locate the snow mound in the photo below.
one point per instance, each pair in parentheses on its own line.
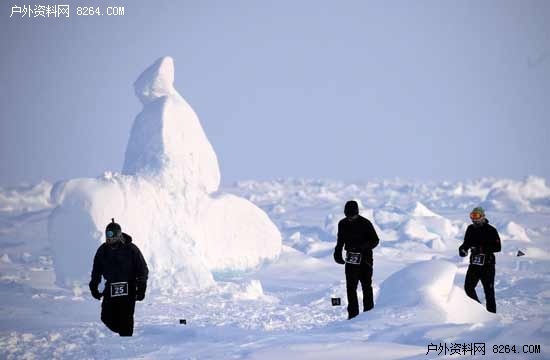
(537,253)
(429,288)
(430,228)
(5,259)
(251,290)
(514,231)
(25,198)
(420,210)
(164,199)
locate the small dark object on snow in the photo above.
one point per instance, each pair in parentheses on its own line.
(520,253)
(336,301)
(183,321)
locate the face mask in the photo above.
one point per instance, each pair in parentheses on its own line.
(114,240)
(478,223)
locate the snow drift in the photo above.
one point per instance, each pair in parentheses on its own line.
(165,198)
(428,287)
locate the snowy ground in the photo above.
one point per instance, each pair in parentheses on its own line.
(283,310)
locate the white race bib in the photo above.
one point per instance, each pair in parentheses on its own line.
(353,258)
(119,289)
(478,259)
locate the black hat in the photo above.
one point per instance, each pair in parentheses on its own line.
(113,229)
(351,208)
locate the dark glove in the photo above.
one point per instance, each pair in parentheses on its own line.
(338,256)
(462,251)
(95,293)
(140,292)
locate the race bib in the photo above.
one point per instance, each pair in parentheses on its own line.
(119,289)
(353,258)
(478,259)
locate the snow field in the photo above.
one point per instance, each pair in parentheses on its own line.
(250,267)
(283,307)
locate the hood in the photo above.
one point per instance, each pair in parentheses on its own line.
(127,238)
(351,208)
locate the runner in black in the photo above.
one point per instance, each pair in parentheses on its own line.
(483,241)
(357,236)
(125,271)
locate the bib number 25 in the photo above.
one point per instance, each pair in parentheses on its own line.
(119,289)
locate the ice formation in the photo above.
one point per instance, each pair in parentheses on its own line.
(524,196)
(429,288)
(430,228)
(167,139)
(514,231)
(25,198)
(166,198)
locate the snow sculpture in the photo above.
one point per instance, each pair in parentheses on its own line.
(166,198)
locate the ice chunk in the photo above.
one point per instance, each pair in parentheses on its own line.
(514,231)
(420,210)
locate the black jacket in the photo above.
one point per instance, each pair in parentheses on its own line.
(123,263)
(357,235)
(482,239)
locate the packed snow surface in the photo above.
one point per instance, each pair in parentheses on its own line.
(166,198)
(282,309)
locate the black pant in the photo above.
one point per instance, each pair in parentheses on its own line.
(354,274)
(486,274)
(118,314)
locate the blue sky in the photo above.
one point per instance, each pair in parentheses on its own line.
(350,90)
